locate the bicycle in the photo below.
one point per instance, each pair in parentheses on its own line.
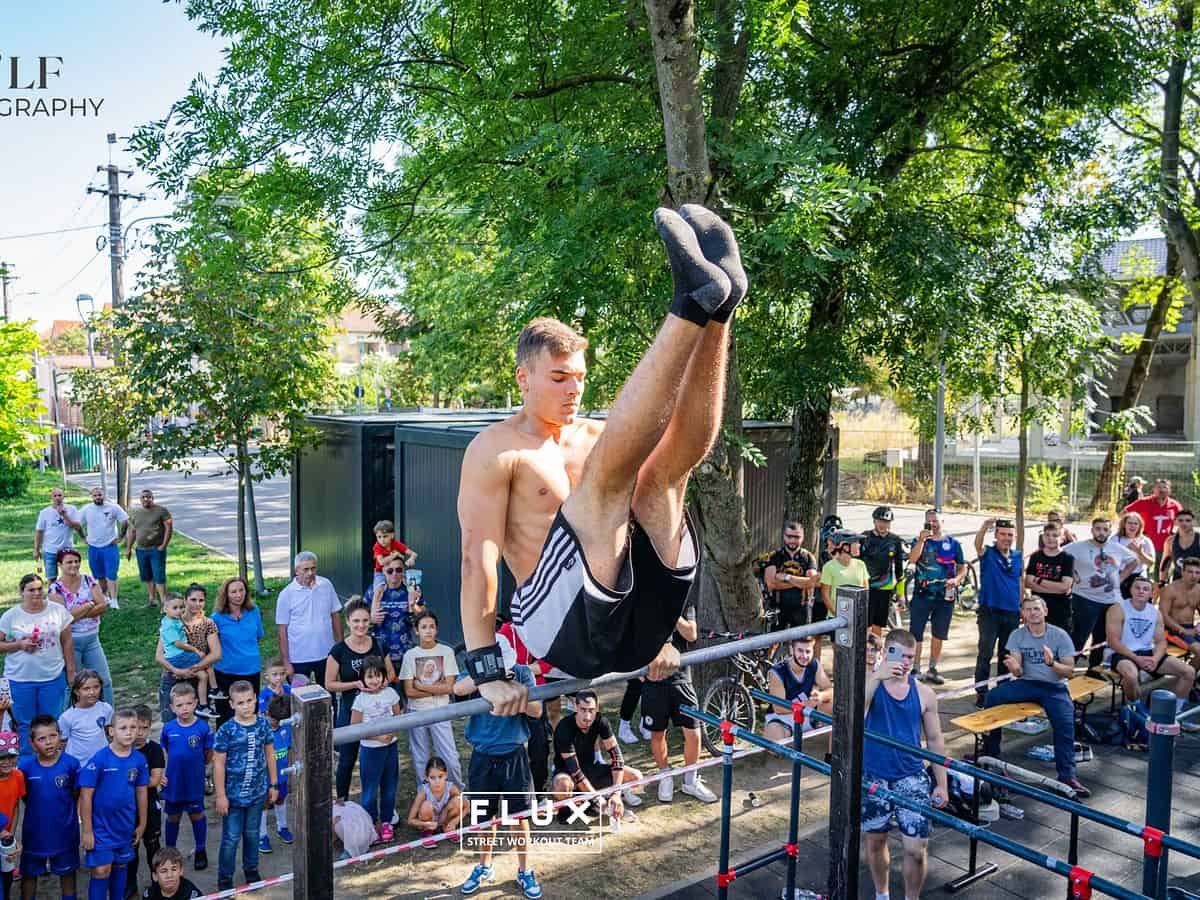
(966,594)
(728,697)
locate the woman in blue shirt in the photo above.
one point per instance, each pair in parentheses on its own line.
(240,628)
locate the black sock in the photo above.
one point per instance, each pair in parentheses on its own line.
(700,286)
(720,248)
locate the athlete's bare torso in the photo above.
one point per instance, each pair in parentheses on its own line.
(1180,602)
(541,471)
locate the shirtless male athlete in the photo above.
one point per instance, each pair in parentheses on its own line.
(589,515)
(1178,602)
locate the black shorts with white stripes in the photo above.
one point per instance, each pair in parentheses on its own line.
(584,628)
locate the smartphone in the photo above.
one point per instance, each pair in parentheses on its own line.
(894,654)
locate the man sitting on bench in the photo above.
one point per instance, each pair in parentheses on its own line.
(1138,641)
(1041,658)
(1178,603)
(800,677)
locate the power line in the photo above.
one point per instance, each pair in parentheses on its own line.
(77,274)
(33,234)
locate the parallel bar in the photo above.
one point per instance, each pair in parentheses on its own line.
(759,862)
(846,743)
(349,733)
(1070,806)
(983,834)
(1159,776)
(794,807)
(726,812)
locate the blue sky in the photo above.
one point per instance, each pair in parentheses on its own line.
(139,56)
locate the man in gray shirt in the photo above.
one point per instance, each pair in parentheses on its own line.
(1041,659)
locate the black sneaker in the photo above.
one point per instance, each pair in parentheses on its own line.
(224,884)
(932,676)
(253,875)
(200,861)
(979,700)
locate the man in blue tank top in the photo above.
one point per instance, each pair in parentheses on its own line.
(902,708)
(799,677)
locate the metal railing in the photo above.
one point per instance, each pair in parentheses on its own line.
(314,738)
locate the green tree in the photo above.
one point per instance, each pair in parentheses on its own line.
(22,434)
(232,328)
(502,161)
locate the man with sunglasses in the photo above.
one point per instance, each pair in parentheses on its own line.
(999,615)
(791,574)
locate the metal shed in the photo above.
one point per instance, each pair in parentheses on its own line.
(406,466)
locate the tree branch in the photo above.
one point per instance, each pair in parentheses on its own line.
(962,148)
(573,82)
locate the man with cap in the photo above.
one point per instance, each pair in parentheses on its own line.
(884,555)
(999,615)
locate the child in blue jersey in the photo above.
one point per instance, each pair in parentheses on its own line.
(187,742)
(50,830)
(275,674)
(245,776)
(279,713)
(83,724)
(112,808)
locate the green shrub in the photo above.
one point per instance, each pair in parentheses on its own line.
(14,479)
(1047,489)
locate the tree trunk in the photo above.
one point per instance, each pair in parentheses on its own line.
(241,509)
(1182,254)
(728,596)
(247,465)
(677,65)
(1022,457)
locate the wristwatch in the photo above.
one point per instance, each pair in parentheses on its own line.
(273,787)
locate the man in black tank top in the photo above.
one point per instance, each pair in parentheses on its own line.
(1184,544)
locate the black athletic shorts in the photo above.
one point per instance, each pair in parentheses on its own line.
(661,701)
(1117,657)
(578,625)
(491,776)
(794,614)
(880,601)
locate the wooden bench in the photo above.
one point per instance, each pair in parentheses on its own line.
(979,723)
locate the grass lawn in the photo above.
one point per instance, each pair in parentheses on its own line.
(129,634)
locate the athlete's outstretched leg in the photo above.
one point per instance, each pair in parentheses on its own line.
(598,509)
(659,497)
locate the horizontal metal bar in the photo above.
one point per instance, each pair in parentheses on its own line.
(1018,787)
(976,831)
(1188,713)
(753,865)
(348,734)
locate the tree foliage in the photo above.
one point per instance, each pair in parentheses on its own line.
(22,435)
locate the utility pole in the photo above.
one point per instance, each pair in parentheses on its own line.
(5,278)
(116,261)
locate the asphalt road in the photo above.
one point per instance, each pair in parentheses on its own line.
(203,505)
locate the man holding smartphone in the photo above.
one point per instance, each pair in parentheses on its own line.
(901,708)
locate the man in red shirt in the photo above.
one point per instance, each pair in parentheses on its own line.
(1158,511)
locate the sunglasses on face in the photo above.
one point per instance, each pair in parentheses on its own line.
(391,571)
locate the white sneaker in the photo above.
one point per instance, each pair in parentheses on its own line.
(666,790)
(699,791)
(625,733)
(642,729)
(630,798)
(113,603)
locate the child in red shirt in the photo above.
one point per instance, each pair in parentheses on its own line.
(387,548)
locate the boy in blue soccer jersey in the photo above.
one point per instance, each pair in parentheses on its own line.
(279,713)
(112,808)
(276,677)
(245,776)
(50,830)
(187,742)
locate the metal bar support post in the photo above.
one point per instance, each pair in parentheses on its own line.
(312,784)
(1159,777)
(793,838)
(845,790)
(723,875)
